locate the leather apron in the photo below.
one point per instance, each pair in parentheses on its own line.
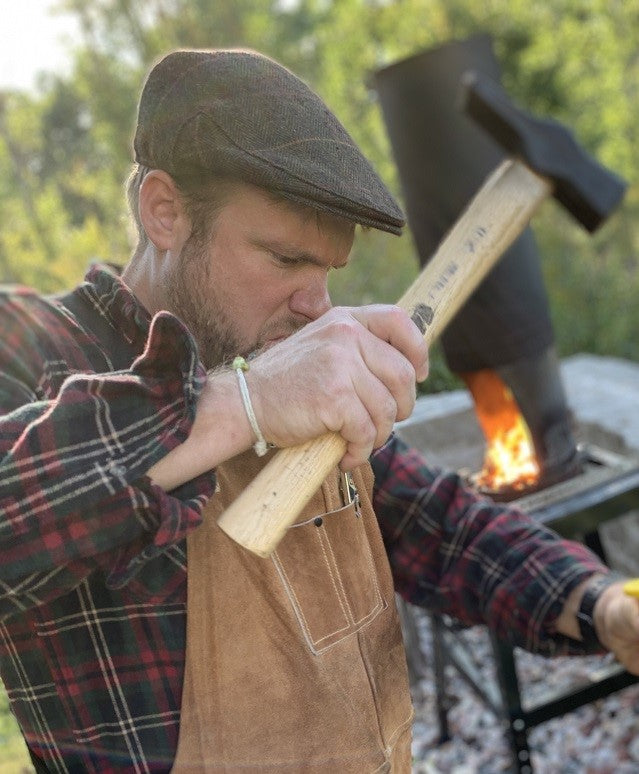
(294,662)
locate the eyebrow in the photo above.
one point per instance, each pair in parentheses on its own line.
(295,255)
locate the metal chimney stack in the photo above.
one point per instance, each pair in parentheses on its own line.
(443,159)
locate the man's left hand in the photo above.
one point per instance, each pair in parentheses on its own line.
(616,617)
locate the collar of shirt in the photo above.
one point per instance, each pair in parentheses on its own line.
(113,298)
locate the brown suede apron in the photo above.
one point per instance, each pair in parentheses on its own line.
(294,662)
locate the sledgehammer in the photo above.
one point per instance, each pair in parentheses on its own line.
(545,160)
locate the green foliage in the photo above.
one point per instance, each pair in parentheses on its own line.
(65,152)
(571,59)
(593,283)
(14,758)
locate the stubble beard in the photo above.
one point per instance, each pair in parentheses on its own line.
(191,297)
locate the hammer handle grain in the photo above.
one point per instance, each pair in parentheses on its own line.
(498,214)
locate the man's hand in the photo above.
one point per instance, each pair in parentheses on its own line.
(616,617)
(352,371)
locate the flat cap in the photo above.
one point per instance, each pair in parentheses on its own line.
(240,114)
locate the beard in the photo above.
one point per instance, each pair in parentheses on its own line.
(191,296)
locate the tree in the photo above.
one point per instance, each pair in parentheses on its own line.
(64,154)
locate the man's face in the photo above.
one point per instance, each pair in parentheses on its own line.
(260,277)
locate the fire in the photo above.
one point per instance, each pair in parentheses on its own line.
(509,460)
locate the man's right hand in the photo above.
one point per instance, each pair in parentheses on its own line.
(351,371)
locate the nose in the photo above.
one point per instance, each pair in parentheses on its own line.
(311,300)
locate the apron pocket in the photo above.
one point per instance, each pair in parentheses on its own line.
(326,567)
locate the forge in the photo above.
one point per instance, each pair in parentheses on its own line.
(598,502)
(502,339)
(525,436)
(603,396)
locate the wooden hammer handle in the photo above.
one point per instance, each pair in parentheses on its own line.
(496,216)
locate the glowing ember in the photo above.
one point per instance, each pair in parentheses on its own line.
(509,460)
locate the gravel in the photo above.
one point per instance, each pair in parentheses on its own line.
(599,738)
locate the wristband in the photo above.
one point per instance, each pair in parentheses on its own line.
(240,366)
(585,617)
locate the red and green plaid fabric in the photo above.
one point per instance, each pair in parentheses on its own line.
(456,553)
(92,555)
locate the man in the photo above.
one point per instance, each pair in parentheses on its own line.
(125,432)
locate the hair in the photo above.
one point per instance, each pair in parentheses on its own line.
(203,196)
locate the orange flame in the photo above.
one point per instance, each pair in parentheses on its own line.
(509,460)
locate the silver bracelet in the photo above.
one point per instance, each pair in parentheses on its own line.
(240,366)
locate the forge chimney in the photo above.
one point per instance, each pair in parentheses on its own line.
(443,159)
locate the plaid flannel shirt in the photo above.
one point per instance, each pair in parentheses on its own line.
(92,554)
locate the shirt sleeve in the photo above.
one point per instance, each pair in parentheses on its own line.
(455,552)
(74,493)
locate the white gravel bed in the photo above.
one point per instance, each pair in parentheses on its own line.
(599,738)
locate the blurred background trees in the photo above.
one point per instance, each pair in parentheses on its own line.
(65,151)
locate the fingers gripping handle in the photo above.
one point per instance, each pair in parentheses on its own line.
(497,215)
(261,515)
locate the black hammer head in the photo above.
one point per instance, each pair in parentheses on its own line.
(587,189)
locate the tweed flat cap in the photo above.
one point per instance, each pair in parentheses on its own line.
(242,115)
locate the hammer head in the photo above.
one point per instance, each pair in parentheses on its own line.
(586,189)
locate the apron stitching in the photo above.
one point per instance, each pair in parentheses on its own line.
(291,594)
(395,733)
(297,607)
(341,597)
(324,514)
(371,566)
(299,613)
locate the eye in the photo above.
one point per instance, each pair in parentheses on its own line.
(285,260)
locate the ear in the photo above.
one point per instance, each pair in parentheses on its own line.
(161,211)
